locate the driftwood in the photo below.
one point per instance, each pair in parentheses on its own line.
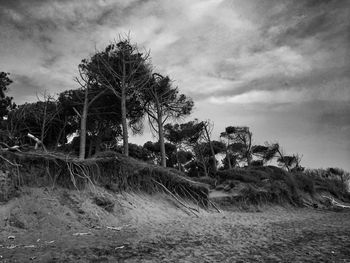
(335,203)
(37,142)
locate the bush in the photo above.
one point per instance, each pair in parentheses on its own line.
(305,183)
(237,174)
(104,202)
(254,195)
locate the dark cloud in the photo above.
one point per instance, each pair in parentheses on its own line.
(281,62)
(309,81)
(307,19)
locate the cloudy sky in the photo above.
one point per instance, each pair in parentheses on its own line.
(280,67)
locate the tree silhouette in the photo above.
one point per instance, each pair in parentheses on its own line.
(102,120)
(239,143)
(125,71)
(6,103)
(43,119)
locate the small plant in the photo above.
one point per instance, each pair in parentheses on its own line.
(104,202)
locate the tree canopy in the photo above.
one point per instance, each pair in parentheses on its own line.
(163,102)
(124,70)
(6,103)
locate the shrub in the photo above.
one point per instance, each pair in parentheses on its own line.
(305,183)
(104,202)
(237,174)
(254,195)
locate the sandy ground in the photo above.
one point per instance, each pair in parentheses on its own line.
(61,226)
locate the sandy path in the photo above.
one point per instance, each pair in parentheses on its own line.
(276,235)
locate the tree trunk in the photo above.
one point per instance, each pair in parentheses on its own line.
(204,166)
(249,158)
(43,123)
(91,146)
(282,157)
(228,157)
(62,133)
(124,123)
(211,148)
(177,160)
(249,153)
(161,139)
(98,141)
(83,127)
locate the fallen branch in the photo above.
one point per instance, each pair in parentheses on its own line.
(82,234)
(37,142)
(114,228)
(335,203)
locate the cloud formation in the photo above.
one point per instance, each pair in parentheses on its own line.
(272,65)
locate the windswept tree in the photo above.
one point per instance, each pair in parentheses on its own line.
(184,135)
(163,102)
(124,70)
(264,153)
(204,153)
(239,143)
(271,151)
(290,162)
(229,156)
(155,150)
(193,136)
(206,137)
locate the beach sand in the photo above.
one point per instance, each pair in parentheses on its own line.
(46,225)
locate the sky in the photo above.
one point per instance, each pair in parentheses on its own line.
(280,67)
